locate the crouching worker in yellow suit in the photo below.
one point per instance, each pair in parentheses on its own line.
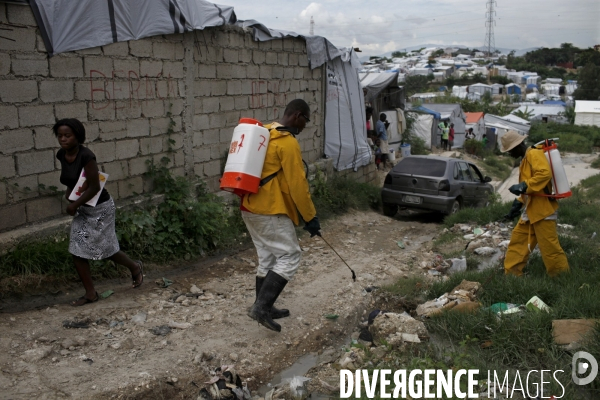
(537,224)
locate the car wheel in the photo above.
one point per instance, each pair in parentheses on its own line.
(390,209)
(455,207)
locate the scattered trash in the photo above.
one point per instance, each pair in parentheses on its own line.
(390,326)
(226,384)
(179,325)
(296,387)
(504,244)
(565,226)
(401,244)
(505,308)
(164,282)
(196,290)
(568,331)
(485,251)
(106,294)
(162,330)
(139,318)
(470,236)
(593,235)
(434,272)
(115,324)
(478,231)
(536,304)
(73,324)
(88,360)
(331,316)
(458,265)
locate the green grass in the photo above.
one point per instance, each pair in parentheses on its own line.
(499,167)
(524,341)
(596,163)
(337,195)
(573,138)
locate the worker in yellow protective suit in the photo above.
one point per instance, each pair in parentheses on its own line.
(270,214)
(537,224)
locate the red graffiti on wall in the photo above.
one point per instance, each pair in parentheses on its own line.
(104,91)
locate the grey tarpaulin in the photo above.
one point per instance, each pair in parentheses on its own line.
(453,114)
(75,25)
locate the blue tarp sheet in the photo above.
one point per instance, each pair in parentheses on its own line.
(437,115)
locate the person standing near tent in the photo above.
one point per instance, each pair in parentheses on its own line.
(381,130)
(270,214)
(537,224)
(445,133)
(451,137)
(470,134)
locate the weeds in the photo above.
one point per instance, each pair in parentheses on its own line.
(596,163)
(573,138)
(499,167)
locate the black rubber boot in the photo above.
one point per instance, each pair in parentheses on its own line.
(261,310)
(276,313)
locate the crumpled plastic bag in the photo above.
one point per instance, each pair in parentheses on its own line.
(296,386)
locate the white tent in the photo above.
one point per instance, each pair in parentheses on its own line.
(587,113)
(551,88)
(480,88)
(497,88)
(454,114)
(459,91)
(422,125)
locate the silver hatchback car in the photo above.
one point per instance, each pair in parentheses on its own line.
(434,183)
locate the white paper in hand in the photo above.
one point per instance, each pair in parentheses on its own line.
(77,190)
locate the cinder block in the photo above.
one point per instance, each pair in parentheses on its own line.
(116,170)
(241,103)
(215,151)
(166,89)
(201,154)
(288,73)
(225,135)
(116,49)
(91,131)
(210,104)
(93,51)
(179,51)
(48,180)
(29,65)
(119,131)
(172,142)
(9,118)
(230,55)
(173,69)
(24,187)
(218,88)
(153,108)
(104,151)
(129,69)
(288,45)
(208,71)
(12,216)
(23,39)
(138,128)
(7,167)
(277,72)
(266,72)
(151,68)
(151,145)
(127,109)
(44,138)
(246,87)
(266,45)
(43,208)
(252,71)
(4,64)
(164,50)
(20,15)
(212,168)
(199,170)
(83,91)
(258,57)
(54,91)
(113,189)
(66,67)
(160,126)
(271,58)
(238,71)
(200,122)
(140,48)
(225,71)
(317,73)
(103,65)
(234,88)
(282,58)
(303,60)
(197,139)
(73,110)
(211,136)
(202,88)
(36,115)
(217,120)
(35,162)
(3,194)
(131,187)
(127,149)
(101,111)
(245,55)
(138,165)
(277,44)
(13,91)
(307,74)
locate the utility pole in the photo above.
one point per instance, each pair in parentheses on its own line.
(490,22)
(312,26)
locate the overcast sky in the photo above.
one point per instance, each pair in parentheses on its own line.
(387,25)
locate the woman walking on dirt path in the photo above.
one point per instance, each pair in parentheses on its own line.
(93,234)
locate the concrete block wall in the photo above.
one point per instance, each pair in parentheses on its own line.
(175,97)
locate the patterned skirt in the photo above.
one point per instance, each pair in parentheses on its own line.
(93,234)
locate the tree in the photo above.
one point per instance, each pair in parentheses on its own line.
(415,84)
(398,54)
(588,83)
(526,114)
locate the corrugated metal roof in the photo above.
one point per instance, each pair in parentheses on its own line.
(473,117)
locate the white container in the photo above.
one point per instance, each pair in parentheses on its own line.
(559,176)
(405,150)
(246,157)
(392,155)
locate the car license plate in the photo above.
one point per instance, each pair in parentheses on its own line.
(412,199)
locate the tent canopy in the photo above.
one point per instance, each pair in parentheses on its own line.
(376,82)
(587,113)
(453,114)
(422,109)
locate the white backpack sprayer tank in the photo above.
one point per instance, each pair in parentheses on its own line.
(560,183)
(246,157)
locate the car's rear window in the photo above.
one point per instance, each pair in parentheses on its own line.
(421,166)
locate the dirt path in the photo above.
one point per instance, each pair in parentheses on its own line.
(117,358)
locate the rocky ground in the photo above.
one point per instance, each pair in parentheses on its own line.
(117,356)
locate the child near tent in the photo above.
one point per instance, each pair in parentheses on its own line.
(378,153)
